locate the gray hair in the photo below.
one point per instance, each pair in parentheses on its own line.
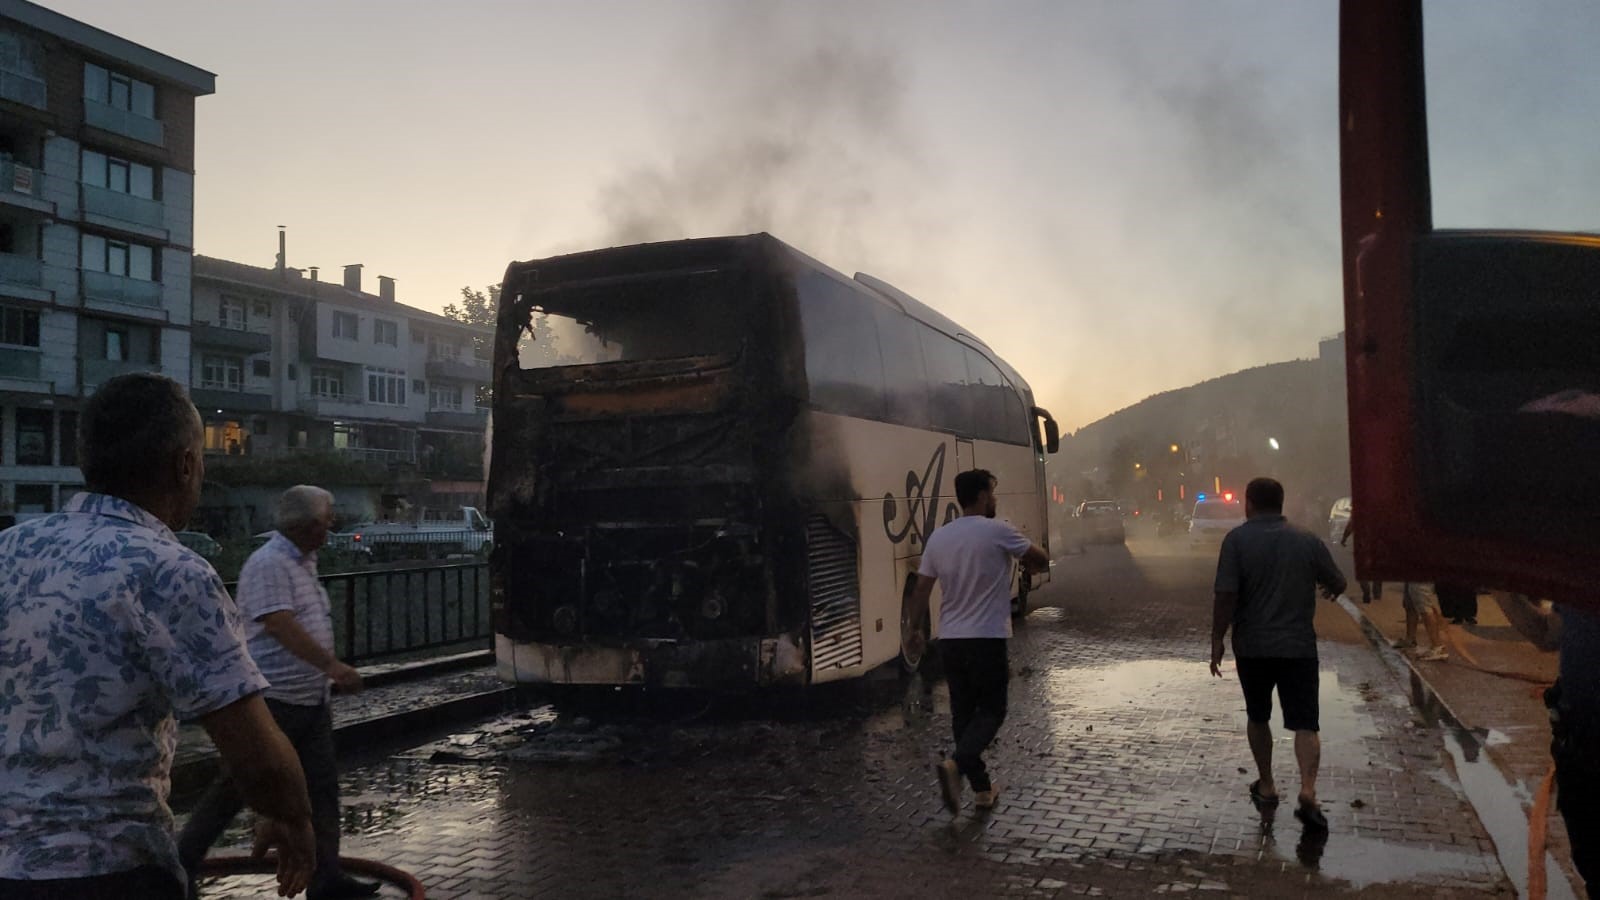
(301,505)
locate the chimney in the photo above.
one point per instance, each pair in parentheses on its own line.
(352,277)
(313,271)
(386,288)
(283,251)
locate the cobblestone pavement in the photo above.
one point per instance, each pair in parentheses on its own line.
(1123,771)
(1493,684)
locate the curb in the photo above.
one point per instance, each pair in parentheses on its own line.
(379,674)
(1389,654)
(193,775)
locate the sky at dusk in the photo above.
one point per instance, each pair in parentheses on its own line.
(1119,197)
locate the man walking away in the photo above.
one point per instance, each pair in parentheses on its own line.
(291,638)
(972,558)
(1574,704)
(1267,578)
(109,628)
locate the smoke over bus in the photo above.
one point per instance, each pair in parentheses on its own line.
(776,121)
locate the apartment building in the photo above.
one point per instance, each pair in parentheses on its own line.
(96,232)
(286,364)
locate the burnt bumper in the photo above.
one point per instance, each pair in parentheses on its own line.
(715,664)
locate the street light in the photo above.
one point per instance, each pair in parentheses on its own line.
(1272,442)
(1174,448)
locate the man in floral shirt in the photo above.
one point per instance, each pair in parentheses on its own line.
(108,629)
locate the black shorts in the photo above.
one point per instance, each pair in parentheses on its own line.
(1297,684)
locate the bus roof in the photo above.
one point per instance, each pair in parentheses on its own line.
(593,264)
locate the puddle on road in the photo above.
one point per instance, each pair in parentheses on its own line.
(1364,862)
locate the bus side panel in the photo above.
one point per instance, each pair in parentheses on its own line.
(899,483)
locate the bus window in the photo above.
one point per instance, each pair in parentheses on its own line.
(905,378)
(996,408)
(949,403)
(843,364)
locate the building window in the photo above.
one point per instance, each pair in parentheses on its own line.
(346,326)
(117,344)
(418,337)
(33,437)
(119,91)
(120,175)
(230,313)
(23,60)
(386,386)
(418,386)
(293,372)
(444,397)
(35,498)
(385,332)
(444,350)
(230,437)
(327,383)
(261,368)
(261,309)
(115,257)
(222,373)
(19,327)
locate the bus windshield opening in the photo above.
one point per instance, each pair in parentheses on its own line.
(656,316)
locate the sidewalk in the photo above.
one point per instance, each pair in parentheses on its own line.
(1493,685)
(398,699)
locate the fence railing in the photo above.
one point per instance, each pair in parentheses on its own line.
(389,612)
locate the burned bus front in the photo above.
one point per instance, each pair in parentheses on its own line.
(633,505)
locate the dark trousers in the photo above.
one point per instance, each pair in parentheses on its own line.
(979,674)
(1578,798)
(143,883)
(310,730)
(1457,601)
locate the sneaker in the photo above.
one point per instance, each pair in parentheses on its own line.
(949,783)
(1404,645)
(1436,654)
(986,799)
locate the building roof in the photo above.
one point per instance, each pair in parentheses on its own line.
(291,282)
(158,65)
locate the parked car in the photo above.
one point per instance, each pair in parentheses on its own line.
(200,542)
(1339,519)
(1101,521)
(1213,518)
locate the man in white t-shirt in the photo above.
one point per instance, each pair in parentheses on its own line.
(972,558)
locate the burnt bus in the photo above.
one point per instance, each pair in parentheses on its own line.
(714,462)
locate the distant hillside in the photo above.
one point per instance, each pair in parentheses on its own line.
(1223,429)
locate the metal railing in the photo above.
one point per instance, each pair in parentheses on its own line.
(388,612)
(430,541)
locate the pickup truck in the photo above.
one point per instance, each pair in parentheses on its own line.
(466,532)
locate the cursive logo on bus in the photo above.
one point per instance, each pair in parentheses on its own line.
(922,502)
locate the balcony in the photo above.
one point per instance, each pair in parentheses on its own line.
(114,209)
(94,372)
(230,400)
(231,339)
(343,406)
(103,287)
(22,187)
(22,88)
(22,277)
(470,369)
(467,419)
(121,121)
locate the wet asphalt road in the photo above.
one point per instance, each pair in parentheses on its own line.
(1122,765)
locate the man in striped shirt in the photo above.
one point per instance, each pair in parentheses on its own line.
(290,635)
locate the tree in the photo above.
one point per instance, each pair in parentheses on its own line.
(478,308)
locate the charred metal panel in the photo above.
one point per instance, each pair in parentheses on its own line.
(641,502)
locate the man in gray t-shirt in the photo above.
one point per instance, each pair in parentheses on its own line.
(1268,573)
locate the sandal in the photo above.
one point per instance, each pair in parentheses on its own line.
(1310,815)
(1260,799)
